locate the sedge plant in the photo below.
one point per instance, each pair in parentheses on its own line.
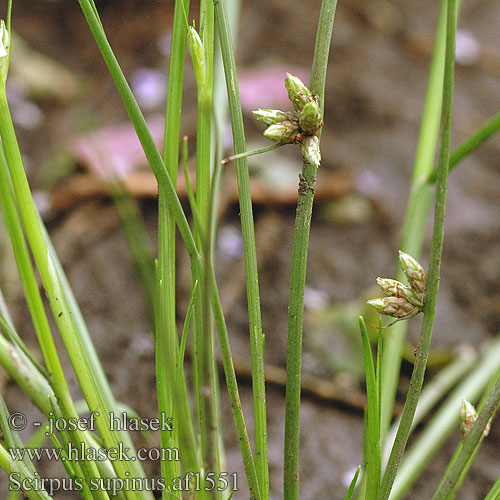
(196,431)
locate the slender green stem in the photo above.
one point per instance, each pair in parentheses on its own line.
(477,139)
(220,117)
(295,323)
(9,16)
(167,193)
(435,260)
(27,377)
(199,227)
(166,330)
(88,353)
(299,265)
(493,380)
(138,241)
(494,493)
(166,187)
(166,344)
(234,397)
(372,452)
(58,305)
(434,391)
(417,213)
(26,273)
(23,468)
(322,51)
(470,443)
(420,199)
(150,149)
(352,486)
(13,336)
(251,153)
(250,256)
(204,341)
(185,329)
(444,422)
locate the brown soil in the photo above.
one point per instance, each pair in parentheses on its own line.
(376,86)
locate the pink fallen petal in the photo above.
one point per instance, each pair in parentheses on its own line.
(115,150)
(264,87)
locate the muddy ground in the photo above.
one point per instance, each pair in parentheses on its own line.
(375,90)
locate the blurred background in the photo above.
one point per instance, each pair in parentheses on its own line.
(72,128)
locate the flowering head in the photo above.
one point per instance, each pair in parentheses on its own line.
(309,147)
(413,271)
(402,301)
(197,53)
(393,288)
(396,307)
(300,127)
(310,119)
(285,132)
(273,116)
(468,415)
(298,93)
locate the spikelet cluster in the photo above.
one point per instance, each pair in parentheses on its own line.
(301,126)
(402,301)
(468,416)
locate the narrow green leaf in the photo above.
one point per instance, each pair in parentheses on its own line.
(494,493)
(470,443)
(185,329)
(350,491)
(373,454)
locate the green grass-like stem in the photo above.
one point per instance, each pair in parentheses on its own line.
(203,353)
(62,314)
(421,196)
(299,265)
(26,376)
(23,468)
(417,213)
(169,385)
(166,186)
(251,153)
(373,451)
(185,328)
(250,256)
(470,442)
(27,274)
(473,142)
(444,422)
(458,450)
(352,486)
(13,336)
(138,241)
(434,391)
(232,388)
(435,260)
(494,493)
(89,354)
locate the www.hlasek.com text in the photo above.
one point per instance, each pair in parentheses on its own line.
(91,454)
